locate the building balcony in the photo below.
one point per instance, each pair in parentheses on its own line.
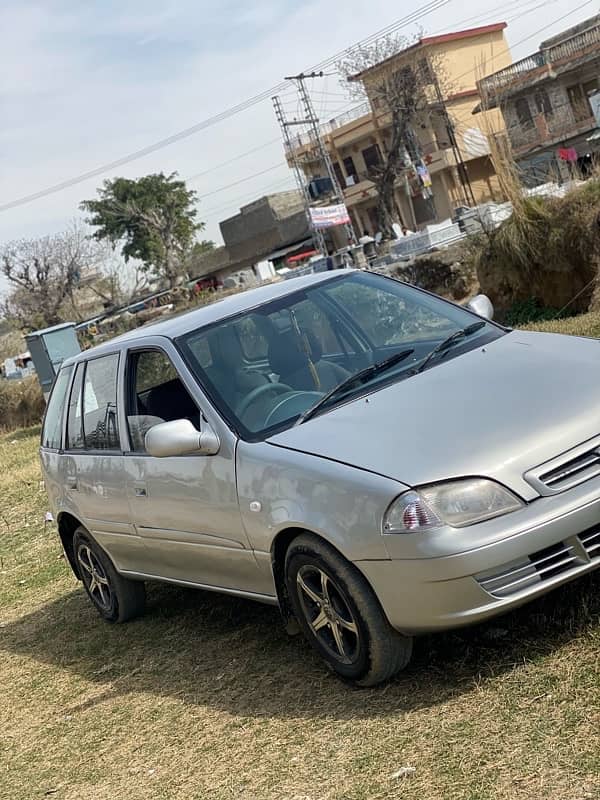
(307,140)
(547,131)
(548,61)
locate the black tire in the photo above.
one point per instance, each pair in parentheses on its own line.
(117,599)
(365,650)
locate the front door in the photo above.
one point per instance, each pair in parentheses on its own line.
(185,508)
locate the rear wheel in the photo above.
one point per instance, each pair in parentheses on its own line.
(340,615)
(117,599)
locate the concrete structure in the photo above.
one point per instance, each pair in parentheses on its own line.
(48,348)
(268,229)
(548,100)
(356,139)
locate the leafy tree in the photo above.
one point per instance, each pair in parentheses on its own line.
(202,248)
(152,216)
(44,274)
(397,76)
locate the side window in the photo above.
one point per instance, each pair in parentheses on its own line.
(75,420)
(156,394)
(100,424)
(51,433)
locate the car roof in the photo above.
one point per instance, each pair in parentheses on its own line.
(213,312)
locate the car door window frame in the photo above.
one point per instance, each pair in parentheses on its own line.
(129,393)
(83,364)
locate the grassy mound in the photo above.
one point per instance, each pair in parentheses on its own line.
(549,249)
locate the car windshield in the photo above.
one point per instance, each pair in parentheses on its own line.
(267,368)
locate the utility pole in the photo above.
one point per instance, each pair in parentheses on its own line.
(315,131)
(460,163)
(284,124)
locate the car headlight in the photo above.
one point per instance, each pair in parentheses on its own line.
(455,503)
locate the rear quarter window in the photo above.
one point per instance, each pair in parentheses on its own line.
(52,428)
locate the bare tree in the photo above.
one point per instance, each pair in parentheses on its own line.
(397,76)
(120,281)
(44,274)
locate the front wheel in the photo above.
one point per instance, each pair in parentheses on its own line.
(340,615)
(117,599)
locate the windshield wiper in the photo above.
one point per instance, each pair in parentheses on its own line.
(449,341)
(361,375)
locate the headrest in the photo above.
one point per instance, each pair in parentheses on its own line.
(225,348)
(287,354)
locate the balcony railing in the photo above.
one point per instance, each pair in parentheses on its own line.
(576,46)
(308,138)
(546,130)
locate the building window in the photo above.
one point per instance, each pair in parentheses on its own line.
(372,157)
(542,103)
(339,174)
(524,113)
(425,72)
(350,170)
(579,103)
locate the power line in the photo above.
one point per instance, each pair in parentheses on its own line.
(409,19)
(243,180)
(208,212)
(232,160)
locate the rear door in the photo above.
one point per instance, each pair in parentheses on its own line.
(92,469)
(185,508)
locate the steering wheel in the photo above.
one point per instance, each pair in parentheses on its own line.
(255,394)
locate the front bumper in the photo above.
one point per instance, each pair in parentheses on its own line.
(517,558)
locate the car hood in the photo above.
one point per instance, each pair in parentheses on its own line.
(494,411)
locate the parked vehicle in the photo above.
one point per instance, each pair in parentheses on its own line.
(376,461)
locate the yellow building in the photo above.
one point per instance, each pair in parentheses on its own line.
(356,139)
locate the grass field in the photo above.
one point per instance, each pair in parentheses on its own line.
(207,698)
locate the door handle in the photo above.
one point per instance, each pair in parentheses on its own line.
(140,491)
(72,482)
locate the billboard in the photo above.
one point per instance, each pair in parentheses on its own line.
(328,216)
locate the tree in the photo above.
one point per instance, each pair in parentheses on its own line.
(119,282)
(44,274)
(396,75)
(202,248)
(152,216)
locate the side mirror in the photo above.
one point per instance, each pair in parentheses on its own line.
(180,438)
(481,305)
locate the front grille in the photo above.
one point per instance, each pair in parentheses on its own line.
(531,570)
(563,557)
(580,464)
(572,472)
(590,540)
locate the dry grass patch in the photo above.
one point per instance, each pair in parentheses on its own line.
(206,698)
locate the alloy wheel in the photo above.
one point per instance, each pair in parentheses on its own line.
(328,614)
(94,577)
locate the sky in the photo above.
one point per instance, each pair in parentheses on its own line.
(83,84)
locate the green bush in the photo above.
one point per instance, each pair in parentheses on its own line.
(21,403)
(526,311)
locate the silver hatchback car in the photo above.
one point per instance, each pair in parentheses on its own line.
(376,461)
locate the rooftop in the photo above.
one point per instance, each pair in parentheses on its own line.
(560,53)
(429,41)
